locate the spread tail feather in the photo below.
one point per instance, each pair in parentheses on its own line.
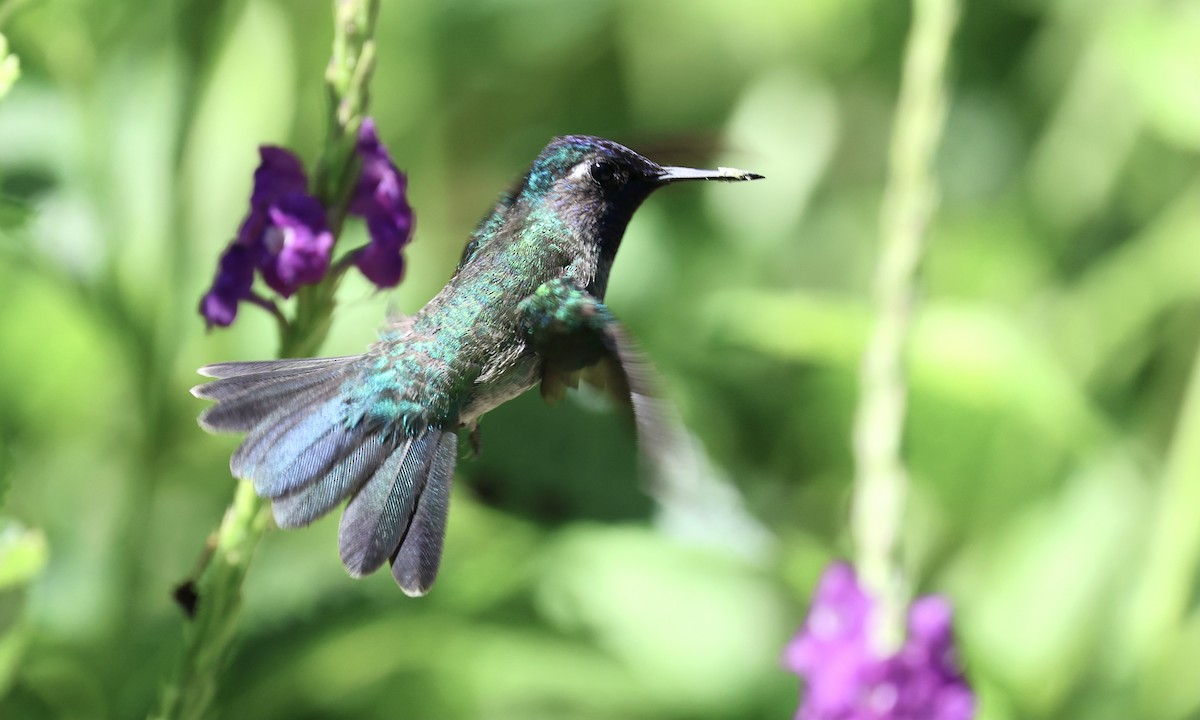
(415,562)
(302,453)
(249,392)
(399,514)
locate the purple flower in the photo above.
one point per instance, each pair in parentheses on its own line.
(235,275)
(279,173)
(297,242)
(380,199)
(847,681)
(286,229)
(286,234)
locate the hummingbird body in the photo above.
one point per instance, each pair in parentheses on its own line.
(524,306)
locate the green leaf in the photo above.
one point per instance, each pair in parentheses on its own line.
(703,626)
(23,554)
(10,67)
(1037,604)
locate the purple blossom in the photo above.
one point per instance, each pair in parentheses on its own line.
(286,228)
(298,243)
(279,173)
(235,275)
(286,235)
(380,199)
(847,681)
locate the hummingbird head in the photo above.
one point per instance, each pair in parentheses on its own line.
(594,185)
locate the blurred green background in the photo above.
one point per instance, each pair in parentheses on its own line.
(1054,446)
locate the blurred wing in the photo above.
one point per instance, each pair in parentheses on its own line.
(577,337)
(631,380)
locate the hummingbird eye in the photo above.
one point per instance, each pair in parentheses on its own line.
(604,173)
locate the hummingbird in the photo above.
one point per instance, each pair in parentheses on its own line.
(525,306)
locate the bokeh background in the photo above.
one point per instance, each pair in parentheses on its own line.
(1054,447)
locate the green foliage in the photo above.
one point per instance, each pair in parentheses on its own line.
(1052,432)
(22,555)
(10,67)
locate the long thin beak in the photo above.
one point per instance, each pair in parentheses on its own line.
(675,174)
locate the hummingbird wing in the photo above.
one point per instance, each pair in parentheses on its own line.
(577,336)
(632,381)
(304,454)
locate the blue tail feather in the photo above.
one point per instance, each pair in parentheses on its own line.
(314,439)
(245,401)
(302,456)
(273,367)
(296,417)
(377,517)
(415,563)
(310,502)
(302,453)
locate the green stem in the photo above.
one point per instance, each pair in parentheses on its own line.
(217,591)
(346,79)
(881,482)
(211,631)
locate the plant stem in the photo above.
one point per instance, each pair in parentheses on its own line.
(216,594)
(881,482)
(347,78)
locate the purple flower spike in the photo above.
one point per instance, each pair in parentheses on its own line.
(235,276)
(286,234)
(380,199)
(847,681)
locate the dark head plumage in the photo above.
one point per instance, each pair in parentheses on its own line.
(597,184)
(587,165)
